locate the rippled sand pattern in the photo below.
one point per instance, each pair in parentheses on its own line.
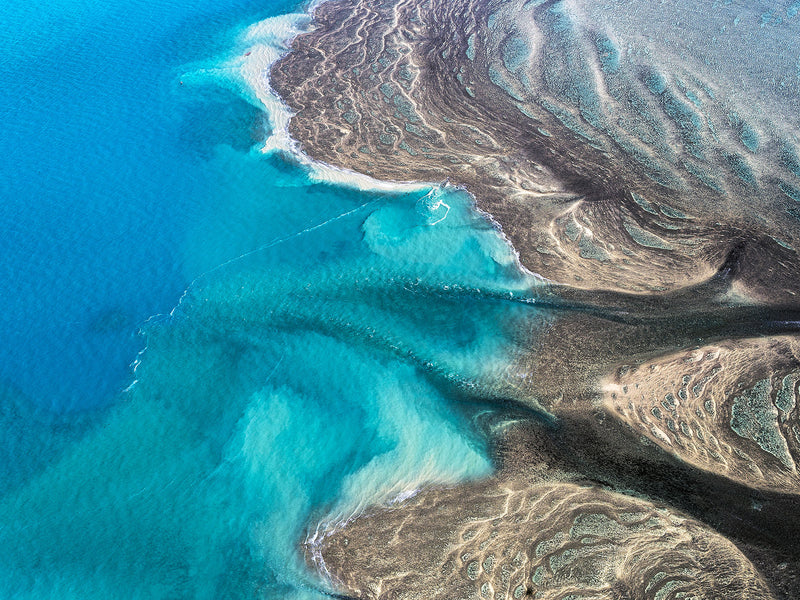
(538,540)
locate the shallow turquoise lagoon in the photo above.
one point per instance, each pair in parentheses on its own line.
(316,346)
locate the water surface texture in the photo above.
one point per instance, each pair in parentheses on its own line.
(108,163)
(261,340)
(313,346)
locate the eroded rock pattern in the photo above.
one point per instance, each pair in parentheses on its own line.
(507,540)
(729,408)
(613,157)
(643,157)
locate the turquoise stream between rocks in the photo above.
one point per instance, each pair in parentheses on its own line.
(320,342)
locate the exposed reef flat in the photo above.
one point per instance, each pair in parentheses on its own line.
(520,535)
(613,157)
(729,408)
(643,157)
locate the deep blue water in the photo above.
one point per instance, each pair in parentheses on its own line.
(103,176)
(207,349)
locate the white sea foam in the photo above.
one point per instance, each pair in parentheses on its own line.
(431,203)
(266,42)
(247,73)
(258,48)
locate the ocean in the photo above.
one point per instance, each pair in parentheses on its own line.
(211,343)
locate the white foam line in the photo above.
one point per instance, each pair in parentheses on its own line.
(436,202)
(266,42)
(499,228)
(277,241)
(270,244)
(335,522)
(138,361)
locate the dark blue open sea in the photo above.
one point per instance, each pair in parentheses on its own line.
(208,345)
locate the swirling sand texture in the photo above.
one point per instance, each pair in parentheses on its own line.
(537,540)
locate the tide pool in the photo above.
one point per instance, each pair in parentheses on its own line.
(326,346)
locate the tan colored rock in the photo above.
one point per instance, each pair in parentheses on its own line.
(730,408)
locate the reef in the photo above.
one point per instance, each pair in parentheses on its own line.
(642,158)
(608,167)
(520,535)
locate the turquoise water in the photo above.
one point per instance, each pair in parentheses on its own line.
(316,347)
